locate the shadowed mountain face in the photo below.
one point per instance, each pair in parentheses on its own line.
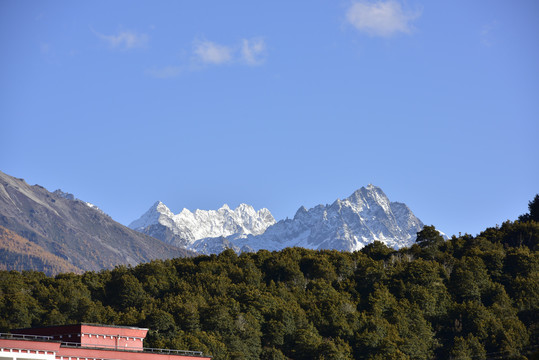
(74,230)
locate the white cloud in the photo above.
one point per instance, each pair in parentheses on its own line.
(166,72)
(381,18)
(486,34)
(249,52)
(125,40)
(211,53)
(252,51)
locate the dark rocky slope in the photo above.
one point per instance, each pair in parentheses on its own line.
(74,230)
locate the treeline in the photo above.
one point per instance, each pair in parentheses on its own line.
(471,297)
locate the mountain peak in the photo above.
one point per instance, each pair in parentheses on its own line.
(161,208)
(224,207)
(157,204)
(245,208)
(188,226)
(152,215)
(368,189)
(301,211)
(348,224)
(64,195)
(48,219)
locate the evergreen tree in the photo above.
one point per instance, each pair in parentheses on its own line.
(533,214)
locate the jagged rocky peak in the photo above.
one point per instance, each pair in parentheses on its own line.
(302,211)
(64,195)
(349,224)
(68,196)
(152,216)
(367,196)
(186,227)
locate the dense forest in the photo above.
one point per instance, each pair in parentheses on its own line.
(470,297)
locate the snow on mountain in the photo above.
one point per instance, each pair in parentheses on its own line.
(349,224)
(185,228)
(69,196)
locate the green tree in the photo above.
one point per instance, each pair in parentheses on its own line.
(161,322)
(306,343)
(468,348)
(272,354)
(533,214)
(377,250)
(124,290)
(429,237)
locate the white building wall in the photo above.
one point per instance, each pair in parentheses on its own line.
(23,354)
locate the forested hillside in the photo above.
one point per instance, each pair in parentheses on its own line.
(471,297)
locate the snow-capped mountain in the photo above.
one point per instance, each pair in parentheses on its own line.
(348,225)
(365,216)
(185,228)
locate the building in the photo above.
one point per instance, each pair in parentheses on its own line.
(85,342)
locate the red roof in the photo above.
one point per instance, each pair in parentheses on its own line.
(88,342)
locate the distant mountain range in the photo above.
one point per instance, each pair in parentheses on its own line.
(185,228)
(365,216)
(56,232)
(47,226)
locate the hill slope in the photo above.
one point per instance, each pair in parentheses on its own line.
(73,229)
(18,253)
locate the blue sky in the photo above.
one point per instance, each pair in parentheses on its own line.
(276,104)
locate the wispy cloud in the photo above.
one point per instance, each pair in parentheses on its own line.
(486,34)
(381,18)
(253,51)
(124,40)
(166,72)
(209,52)
(250,52)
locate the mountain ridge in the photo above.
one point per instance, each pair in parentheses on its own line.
(75,230)
(186,227)
(348,224)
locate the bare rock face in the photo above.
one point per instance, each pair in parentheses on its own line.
(74,230)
